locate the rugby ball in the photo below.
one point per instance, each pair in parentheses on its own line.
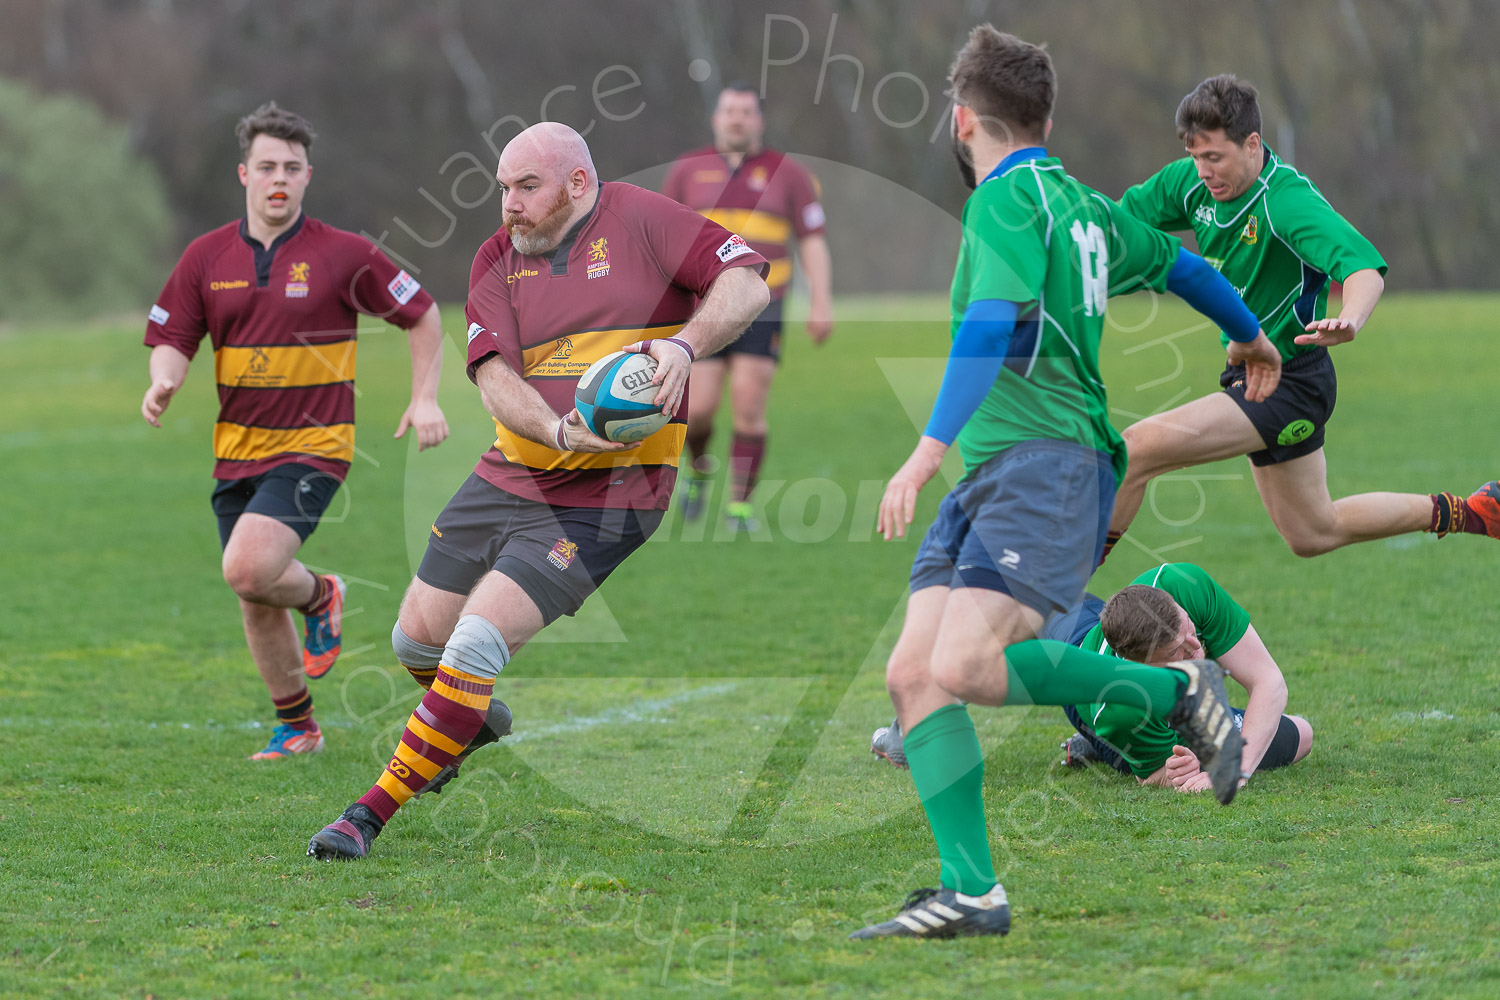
(615,396)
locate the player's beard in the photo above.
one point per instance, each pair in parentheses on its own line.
(533,238)
(965,157)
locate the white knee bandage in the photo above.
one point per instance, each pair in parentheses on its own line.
(414,654)
(476,647)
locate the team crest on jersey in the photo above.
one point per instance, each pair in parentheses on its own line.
(562,553)
(296,280)
(1250,232)
(758,178)
(599,258)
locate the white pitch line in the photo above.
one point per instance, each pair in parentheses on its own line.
(643,710)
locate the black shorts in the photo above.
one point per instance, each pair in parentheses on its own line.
(558,555)
(294,494)
(762,337)
(1291,422)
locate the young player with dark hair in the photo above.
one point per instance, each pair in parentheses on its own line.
(1265,226)
(1019,536)
(279,295)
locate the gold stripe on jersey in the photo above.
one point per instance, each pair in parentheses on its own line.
(661,448)
(753,224)
(285,367)
(570,356)
(237,443)
(779,273)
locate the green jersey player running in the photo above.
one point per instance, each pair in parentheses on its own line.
(1018,537)
(1269,230)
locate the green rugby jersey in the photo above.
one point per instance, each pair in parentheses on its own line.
(1143,741)
(1034,236)
(1277,243)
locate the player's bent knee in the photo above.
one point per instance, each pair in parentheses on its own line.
(905,674)
(968,676)
(1304,736)
(1148,459)
(476,647)
(251,581)
(412,653)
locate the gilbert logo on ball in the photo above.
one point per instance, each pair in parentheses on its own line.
(615,398)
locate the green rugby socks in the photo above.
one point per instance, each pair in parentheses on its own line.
(948,770)
(1047,672)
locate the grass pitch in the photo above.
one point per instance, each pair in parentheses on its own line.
(688,808)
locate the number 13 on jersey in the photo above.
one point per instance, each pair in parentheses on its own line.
(1093,266)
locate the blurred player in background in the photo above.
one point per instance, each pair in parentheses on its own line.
(279,294)
(579,270)
(1017,539)
(770,200)
(1269,230)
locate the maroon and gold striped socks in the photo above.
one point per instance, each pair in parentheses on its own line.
(438,731)
(296,711)
(1451,515)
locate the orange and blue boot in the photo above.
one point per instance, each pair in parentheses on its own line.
(1485,504)
(323,637)
(287,741)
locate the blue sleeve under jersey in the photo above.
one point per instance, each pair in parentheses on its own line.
(978,354)
(1195,281)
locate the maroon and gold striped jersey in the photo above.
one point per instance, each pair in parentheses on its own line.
(633,268)
(282,321)
(769,199)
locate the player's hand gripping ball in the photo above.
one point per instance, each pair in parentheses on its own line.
(615,398)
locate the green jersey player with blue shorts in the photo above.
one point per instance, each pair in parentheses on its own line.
(1018,537)
(1268,229)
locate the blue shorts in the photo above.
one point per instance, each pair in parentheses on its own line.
(1030,523)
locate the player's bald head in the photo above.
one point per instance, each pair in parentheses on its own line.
(547,180)
(552,150)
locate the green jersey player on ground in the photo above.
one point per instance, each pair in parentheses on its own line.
(1172,612)
(1269,230)
(1018,537)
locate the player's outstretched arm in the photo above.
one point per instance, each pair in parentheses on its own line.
(1251,664)
(1197,283)
(1362,291)
(736,297)
(423,412)
(168,368)
(978,354)
(523,411)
